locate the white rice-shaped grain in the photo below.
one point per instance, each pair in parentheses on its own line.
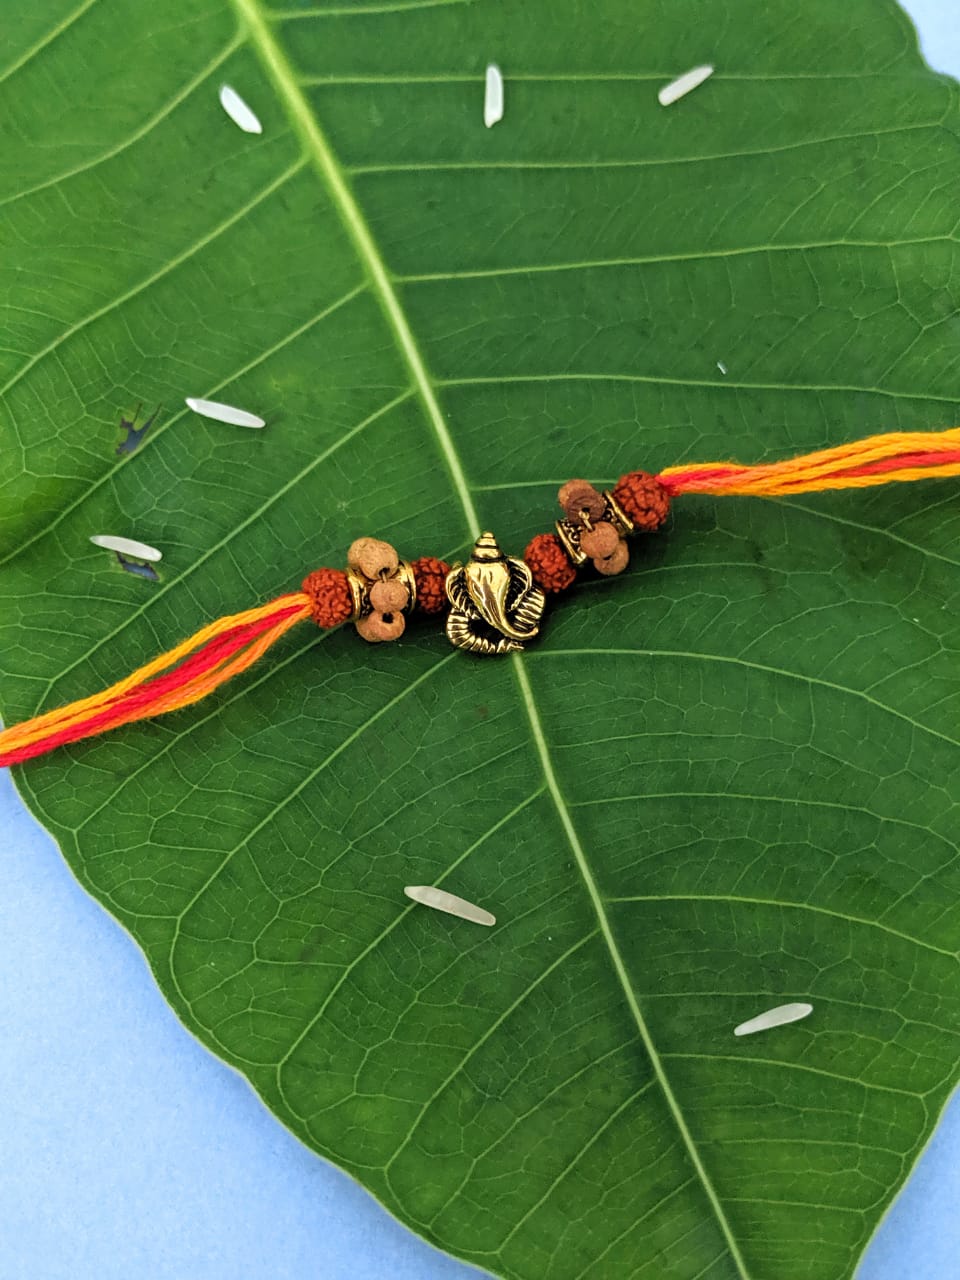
(683,84)
(777,1017)
(722,367)
(238,111)
(225,413)
(493,96)
(440,900)
(126,547)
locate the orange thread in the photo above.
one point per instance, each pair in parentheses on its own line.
(899,455)
(129,699)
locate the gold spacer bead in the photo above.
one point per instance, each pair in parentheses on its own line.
(569,535)
(616,514)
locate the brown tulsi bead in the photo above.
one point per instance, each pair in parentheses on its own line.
(577,496)
(600,541)
(378,627)
(373,558)
(389,596)
(616,562)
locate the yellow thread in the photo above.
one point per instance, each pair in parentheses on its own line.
(828,468)
(31,731)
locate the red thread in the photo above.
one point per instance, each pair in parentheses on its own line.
(680,479)
(149,698)
(948,458)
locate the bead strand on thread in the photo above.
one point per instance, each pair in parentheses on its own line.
(496,601)
(594,528)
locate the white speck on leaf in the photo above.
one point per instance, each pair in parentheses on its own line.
(238,111)
(493,96)
(126,546)
(722,367)
(440,900)
(224,413)
(777,1017)
(683,85)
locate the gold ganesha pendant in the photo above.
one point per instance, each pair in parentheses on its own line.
(495,608)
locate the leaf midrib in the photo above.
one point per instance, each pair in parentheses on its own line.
(318,150)
(616,959)
(252,18)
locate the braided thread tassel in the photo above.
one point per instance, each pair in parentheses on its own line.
(207,660)
(899,455)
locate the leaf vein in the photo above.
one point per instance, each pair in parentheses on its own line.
(714,384)
(375,942)
(151,123)
(798,1066)
(53,34)
(478,1044)
(583,1151)
(163,427)
(141,286)
(458,166)
(654,259)
(794,906)
(729,660)
(278,807)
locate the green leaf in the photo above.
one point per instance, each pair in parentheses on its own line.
(726,780)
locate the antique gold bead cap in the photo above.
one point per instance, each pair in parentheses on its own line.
(486,549)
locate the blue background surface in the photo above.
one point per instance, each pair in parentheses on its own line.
(128,1151)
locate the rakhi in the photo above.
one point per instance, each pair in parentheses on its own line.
(496,602)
